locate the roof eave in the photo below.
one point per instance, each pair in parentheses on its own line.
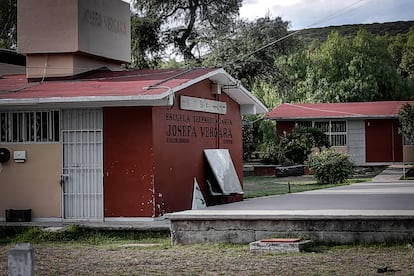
(249,104)
(164,99)
(362,117)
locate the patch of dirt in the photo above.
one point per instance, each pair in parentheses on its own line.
(68,259)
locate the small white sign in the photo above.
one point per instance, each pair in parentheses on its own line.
(204,105)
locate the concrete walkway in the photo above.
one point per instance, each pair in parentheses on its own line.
(391,173)
(377,211)
(382,191)
(386,193)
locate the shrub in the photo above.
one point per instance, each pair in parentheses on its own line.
(330,167)
(298,144)
(294,147)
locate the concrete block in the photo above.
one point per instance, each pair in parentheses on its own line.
(324,228)
(279,245)
(21,260)
(212,236)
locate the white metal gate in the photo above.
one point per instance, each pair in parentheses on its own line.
(82,178)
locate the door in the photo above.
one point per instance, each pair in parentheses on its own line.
(383,142)
(82,177)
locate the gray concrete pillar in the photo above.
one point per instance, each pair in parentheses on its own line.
(21,260)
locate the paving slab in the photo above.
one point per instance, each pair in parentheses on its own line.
(391,173)
(279,246)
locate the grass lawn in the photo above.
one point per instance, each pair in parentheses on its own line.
(79,251)
(89,252)
(257,186)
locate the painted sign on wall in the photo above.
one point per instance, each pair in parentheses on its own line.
(204,105)
(182,127)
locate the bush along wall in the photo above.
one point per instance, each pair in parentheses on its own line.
(330,167)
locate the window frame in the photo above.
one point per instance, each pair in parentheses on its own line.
(30,126)
(329,130)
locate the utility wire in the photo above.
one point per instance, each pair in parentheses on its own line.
(336,14)
(331,16)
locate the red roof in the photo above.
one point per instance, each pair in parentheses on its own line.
(384,109)
(108,88)
(108,83)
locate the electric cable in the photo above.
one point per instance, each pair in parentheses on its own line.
(331,16)
(324,110)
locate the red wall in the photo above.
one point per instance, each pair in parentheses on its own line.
(179,154)
(152,155)
(383,142)
(283,126)
(128,162)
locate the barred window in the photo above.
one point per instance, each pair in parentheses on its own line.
(324,126)
(338,126)
(304,124)
(335,130)
(338,133)
(29,126)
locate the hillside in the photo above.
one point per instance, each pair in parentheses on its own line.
(392,28)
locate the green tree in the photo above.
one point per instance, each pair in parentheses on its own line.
(8,24)
(188,24)
(146,48)
(288,78)
(268,141)
(372,71)
(406,118)
(265,91)
(407,57)
(243,53)
(407,63)
(344,69)
(396,45)
(248,138)
(294,147)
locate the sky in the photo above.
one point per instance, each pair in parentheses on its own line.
(320,13)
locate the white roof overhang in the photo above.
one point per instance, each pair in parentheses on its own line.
(249,104)
(88,101)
